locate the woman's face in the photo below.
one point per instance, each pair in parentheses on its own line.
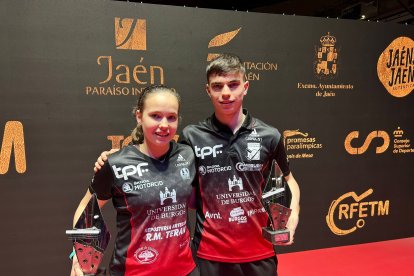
(159,118)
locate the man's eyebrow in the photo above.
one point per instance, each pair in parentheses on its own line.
(222,82)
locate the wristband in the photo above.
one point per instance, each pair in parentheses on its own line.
(72,254)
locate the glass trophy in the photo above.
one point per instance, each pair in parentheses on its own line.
(276,196)
(90,238)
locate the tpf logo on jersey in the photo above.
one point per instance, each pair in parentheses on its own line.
(167,194)
(185,173)
(235,182)
(129,170)
(205,151)
(253,151)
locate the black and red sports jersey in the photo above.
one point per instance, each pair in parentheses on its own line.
(232,169)
(150,197)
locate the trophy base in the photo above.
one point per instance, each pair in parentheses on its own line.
(276,236)
(88,257)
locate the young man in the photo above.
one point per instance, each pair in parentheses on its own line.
(234,153)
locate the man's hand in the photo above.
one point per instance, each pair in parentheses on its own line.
(102,158)
(291,225)
(294,205)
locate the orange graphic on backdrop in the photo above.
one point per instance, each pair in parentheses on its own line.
(342,209)
(395,67)
(130,34)
(334,205)
(376,134)
(13,138)
(289,133)
(220,40)
(327,55)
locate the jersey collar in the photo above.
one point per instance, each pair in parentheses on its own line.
(219,127)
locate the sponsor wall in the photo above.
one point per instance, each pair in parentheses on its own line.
(339,91)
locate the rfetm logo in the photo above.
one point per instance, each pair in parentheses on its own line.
(129,170)
(220,40)
(342,211)
(130,34)
(13,138)
(395,67)
(376,134)
(327,56)
(205,151)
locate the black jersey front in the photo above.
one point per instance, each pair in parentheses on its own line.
(150,197)
(232,169)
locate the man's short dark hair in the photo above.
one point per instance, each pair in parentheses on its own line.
(224,64)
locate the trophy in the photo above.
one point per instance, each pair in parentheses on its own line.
(90,238)
(276,196)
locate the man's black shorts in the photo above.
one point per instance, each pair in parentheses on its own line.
(265,267)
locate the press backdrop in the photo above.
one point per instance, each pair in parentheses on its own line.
(340,92)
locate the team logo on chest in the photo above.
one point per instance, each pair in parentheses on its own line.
(235,182)
(185,173)
(167,194)
(146,255)
(253,151)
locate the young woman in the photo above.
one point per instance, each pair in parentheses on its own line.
(149,183)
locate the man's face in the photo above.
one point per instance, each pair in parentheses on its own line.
(227,93)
